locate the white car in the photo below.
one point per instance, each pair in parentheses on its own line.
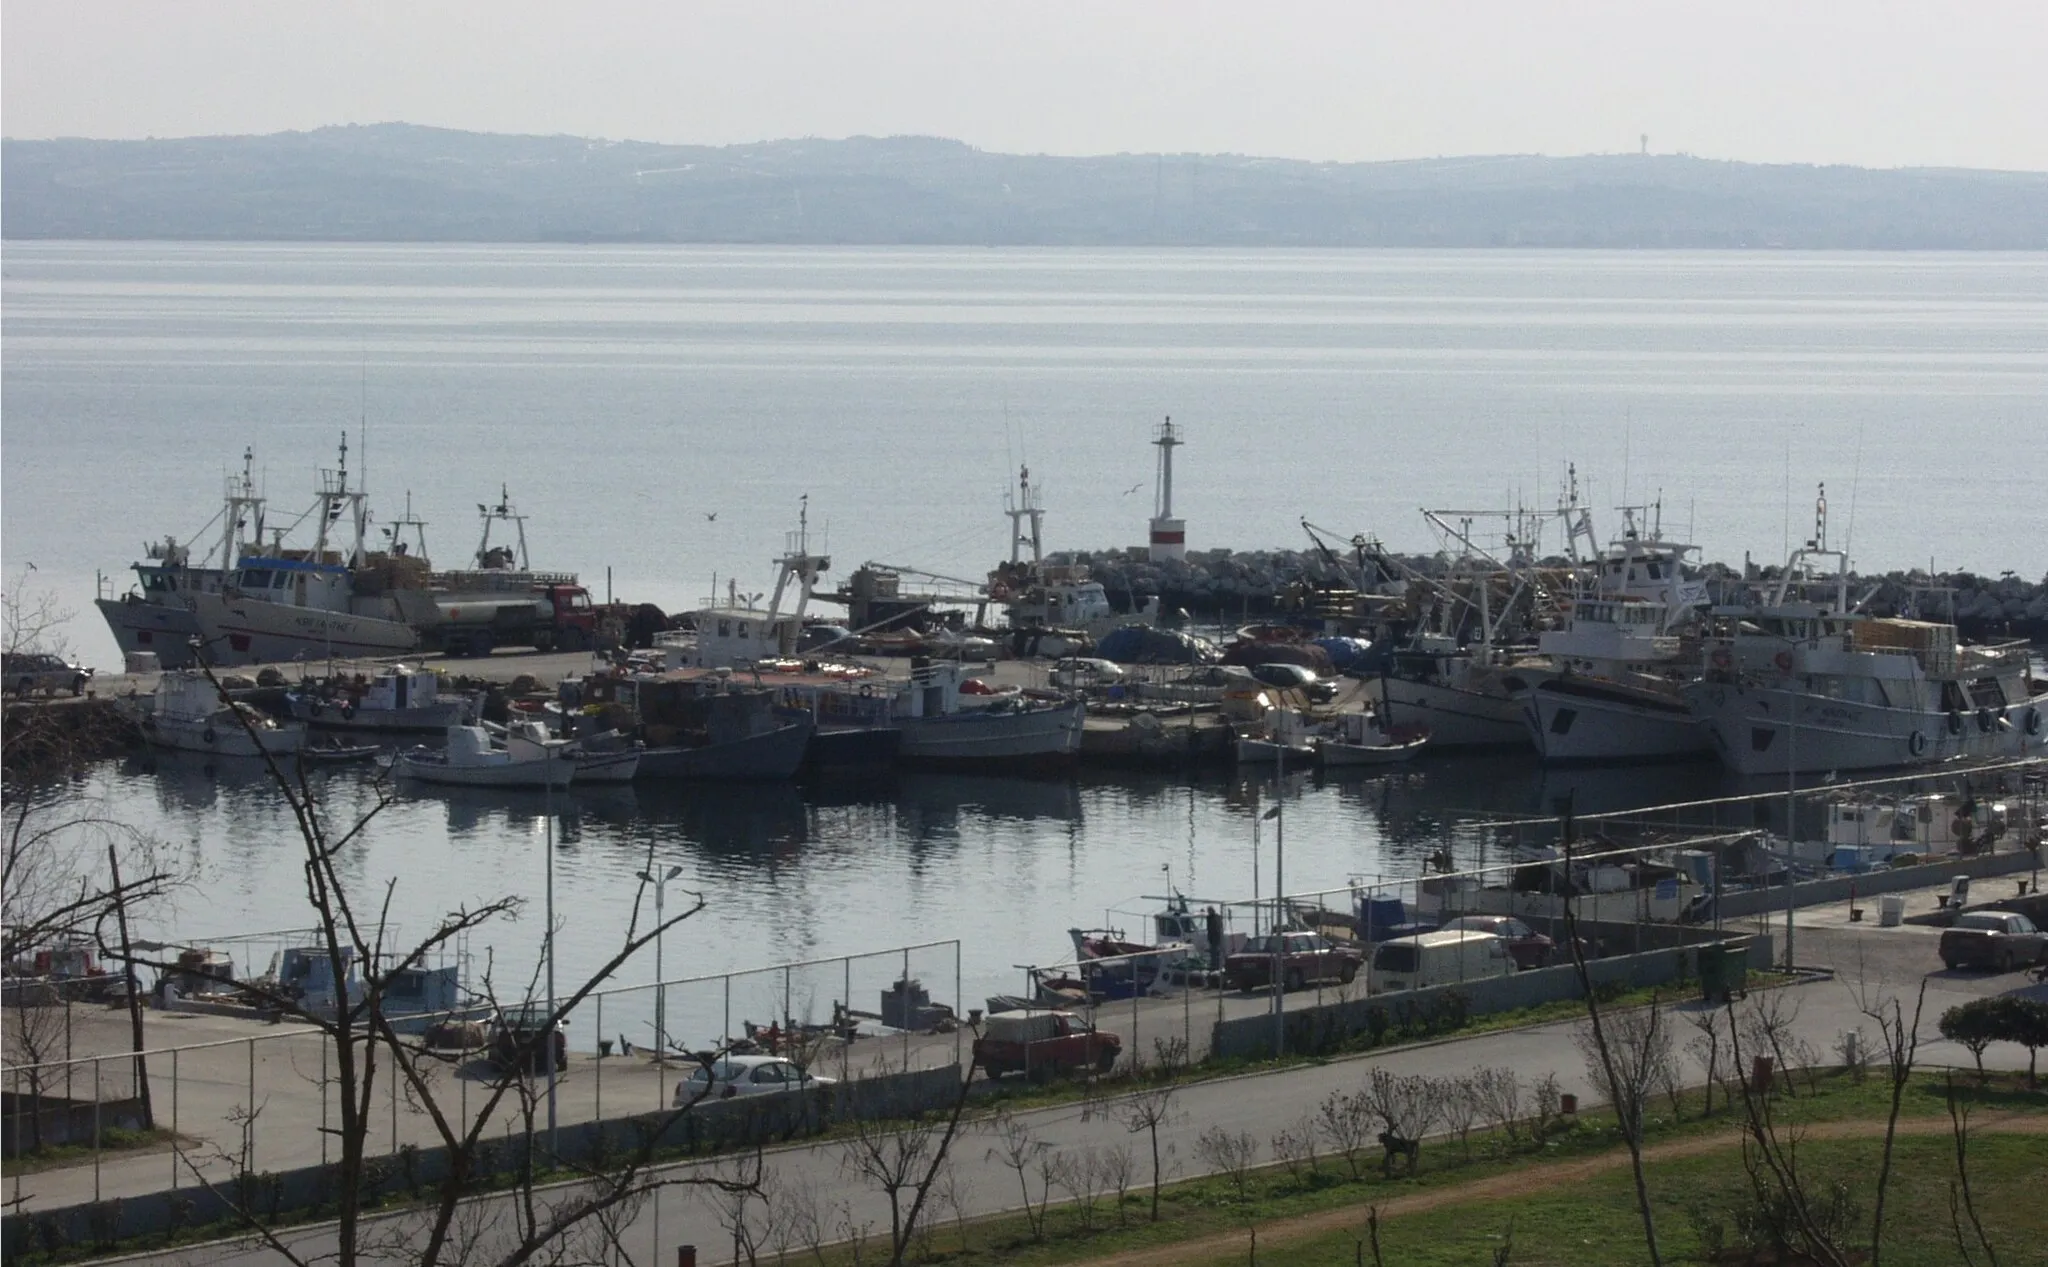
(733,1076)
(1082,672)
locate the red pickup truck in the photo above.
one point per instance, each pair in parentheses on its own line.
(1302,958)
(1042,1044)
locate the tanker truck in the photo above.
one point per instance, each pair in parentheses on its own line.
(482,611)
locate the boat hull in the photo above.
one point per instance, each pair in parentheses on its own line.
(1034,736)
(221,738)
(835,749)
(1453,716)
(1575,719)
(164,629)
(774,754)
(431,719)
(1763,730)
(1266,752)
(607,767)
(511,774)
(239,631)
(1334,754)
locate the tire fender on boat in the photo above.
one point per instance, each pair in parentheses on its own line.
(1721,658)
(1955,721)
(209,736)
(314,707)
(867,690)
(348,712)
(1783,660)
(2033,721)
(1917,744)
(1986,719)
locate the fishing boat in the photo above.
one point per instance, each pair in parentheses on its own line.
(156,617)
(333,599)
(1801,682)
(397,698)
(1280,734)
(189,713)
(942,726)
(1356,738)
(530,757)
(1612,688)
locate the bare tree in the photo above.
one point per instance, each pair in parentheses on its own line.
(1294,1147)
(1784,1211)
(1962,1203)
(1499,1093)
(1344,1118)
(1705,1047)
(1769,1023)
(1461,1110)
(37,1042)
(1407,1107)
(1610,1073)
(1630,1065)
(1145,1111)
(1080,1176)
(1901,1039)
(1231,1154)
(357,942)
(31,615)
(905,1160)
(1018,1147)
(1118,1167)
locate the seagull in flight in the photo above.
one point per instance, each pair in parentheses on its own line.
(1132,489)
(711,517)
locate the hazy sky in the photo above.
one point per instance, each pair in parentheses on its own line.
(1885,84)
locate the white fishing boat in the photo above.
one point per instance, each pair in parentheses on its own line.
(332,600)
(1461,697)
(1613,686)
(530,757)
(1795,684)
(397,697)
(617,766)
(189,713)
(1280,734)
(1052,610)
(156,617)
(1356,738)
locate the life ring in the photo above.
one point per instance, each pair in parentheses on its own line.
(1917,745)
(1722,659)
(867,690)
(1783,660)
(2033,721)
(1955,721)
(1986,719)
(209,736)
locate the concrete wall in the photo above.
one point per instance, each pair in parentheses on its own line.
(28,1122)
(1836,888)
(1326,1028)
(707,1126)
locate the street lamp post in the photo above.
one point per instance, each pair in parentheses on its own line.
(660,883)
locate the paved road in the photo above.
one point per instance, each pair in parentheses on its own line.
(1263,1103)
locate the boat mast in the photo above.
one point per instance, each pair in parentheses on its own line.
(797,561)
(503,510)
(1025,507)
(241,497)
(335,500)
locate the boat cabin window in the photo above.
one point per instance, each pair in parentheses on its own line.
(725,629)
(256,579)
(1656,571)
(1985,692)
(1951,697)
(1853,690)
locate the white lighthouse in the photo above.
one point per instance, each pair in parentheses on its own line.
(1169,535)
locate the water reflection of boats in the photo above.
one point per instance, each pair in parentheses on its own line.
(727,819)
(938,802)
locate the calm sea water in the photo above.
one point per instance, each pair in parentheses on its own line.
(624,396)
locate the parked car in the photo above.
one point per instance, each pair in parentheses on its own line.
(27,671)
(1295,677)
(1041,1044)
(1303,958)
(1529,948)
(516,1039)
(1078,672)
(2003,940)
(732,1077)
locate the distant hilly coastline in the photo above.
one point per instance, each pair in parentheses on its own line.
(403,183)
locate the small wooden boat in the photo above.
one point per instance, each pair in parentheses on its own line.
(530,758)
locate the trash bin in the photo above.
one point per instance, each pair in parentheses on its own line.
(1891,910)
(1724,971)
